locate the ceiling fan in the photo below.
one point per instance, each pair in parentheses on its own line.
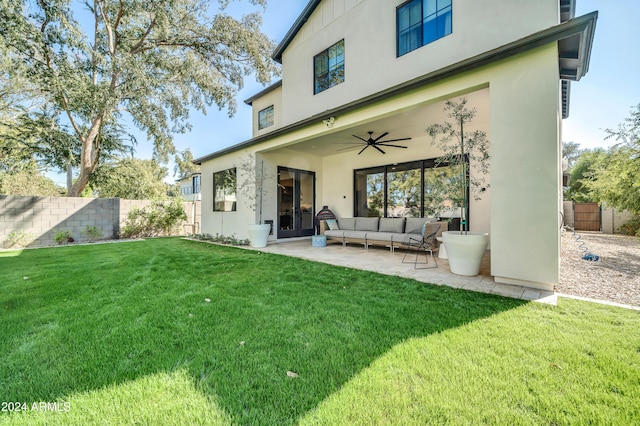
(374,142)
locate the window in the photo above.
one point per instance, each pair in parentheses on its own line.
(415,189)
(224,191)
(265,118)
(420,22)
(328,67)
(196,184)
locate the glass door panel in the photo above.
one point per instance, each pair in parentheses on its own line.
(296,202)
(286,204)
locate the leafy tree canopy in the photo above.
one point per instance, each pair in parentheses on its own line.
(91,64)
(28,180)
(617,179)
(582,172)
(130,178)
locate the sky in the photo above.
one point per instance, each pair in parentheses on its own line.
(601,100)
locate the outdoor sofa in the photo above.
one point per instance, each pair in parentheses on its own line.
(380,231)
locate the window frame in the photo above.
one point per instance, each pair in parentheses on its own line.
(421,25)
(422,165)
(269,117)
(329,68)
(228,196)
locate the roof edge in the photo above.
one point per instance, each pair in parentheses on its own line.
(541,38)
(263,92)
(297,25)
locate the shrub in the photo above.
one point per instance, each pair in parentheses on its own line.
(19,238)
(160,218)
(631,228)
(63,237)
(92,233)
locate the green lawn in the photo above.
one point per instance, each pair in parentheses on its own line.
(168,331)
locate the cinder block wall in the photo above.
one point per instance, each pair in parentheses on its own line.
(41,218)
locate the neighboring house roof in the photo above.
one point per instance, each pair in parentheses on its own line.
(574,54)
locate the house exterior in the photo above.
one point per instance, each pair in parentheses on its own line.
(190,186)
(350,67)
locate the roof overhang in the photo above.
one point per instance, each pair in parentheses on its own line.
(297,25)
(263,92)
(578,29)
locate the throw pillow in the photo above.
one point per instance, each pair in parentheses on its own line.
(332,224)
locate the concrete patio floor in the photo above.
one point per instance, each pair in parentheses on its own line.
(381,260)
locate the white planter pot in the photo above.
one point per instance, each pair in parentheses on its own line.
(465,251)
(258,234)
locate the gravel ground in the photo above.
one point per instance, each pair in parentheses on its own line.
(615,277)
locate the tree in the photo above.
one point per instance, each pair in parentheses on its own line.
(28,180)
(582,172)
(617,178)
(571,151)
(466,152)
(130,178)
(152,61)
(184,165)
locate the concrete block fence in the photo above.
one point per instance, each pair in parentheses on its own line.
(42,218)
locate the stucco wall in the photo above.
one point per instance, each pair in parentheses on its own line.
(369,32)
(274,97)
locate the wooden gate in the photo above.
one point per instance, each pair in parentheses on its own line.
(586,216)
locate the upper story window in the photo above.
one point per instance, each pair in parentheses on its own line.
(265,118)
(420,22)
(328,67)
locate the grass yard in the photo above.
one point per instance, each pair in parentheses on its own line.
(169,331)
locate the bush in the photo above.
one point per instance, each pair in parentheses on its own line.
(92,233)
(631,228)
(160,218)
(63,237)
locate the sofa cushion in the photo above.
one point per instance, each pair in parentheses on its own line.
(347,224)
(367,224)
(379,236)
(391,224)
(334,234)
(414,225)
(355,235)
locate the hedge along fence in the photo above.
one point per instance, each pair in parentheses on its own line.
(35,221)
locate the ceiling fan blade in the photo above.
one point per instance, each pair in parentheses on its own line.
(396,140)
(381,136)
(346,143)
(365,147)
(376,147)
(363,140)
(395,146)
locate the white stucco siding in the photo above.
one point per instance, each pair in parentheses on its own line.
(525,171)
(274,97)
(369,32)
(223,223)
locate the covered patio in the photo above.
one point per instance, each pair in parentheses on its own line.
(380,260)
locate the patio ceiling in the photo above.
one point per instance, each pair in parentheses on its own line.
(409,123)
